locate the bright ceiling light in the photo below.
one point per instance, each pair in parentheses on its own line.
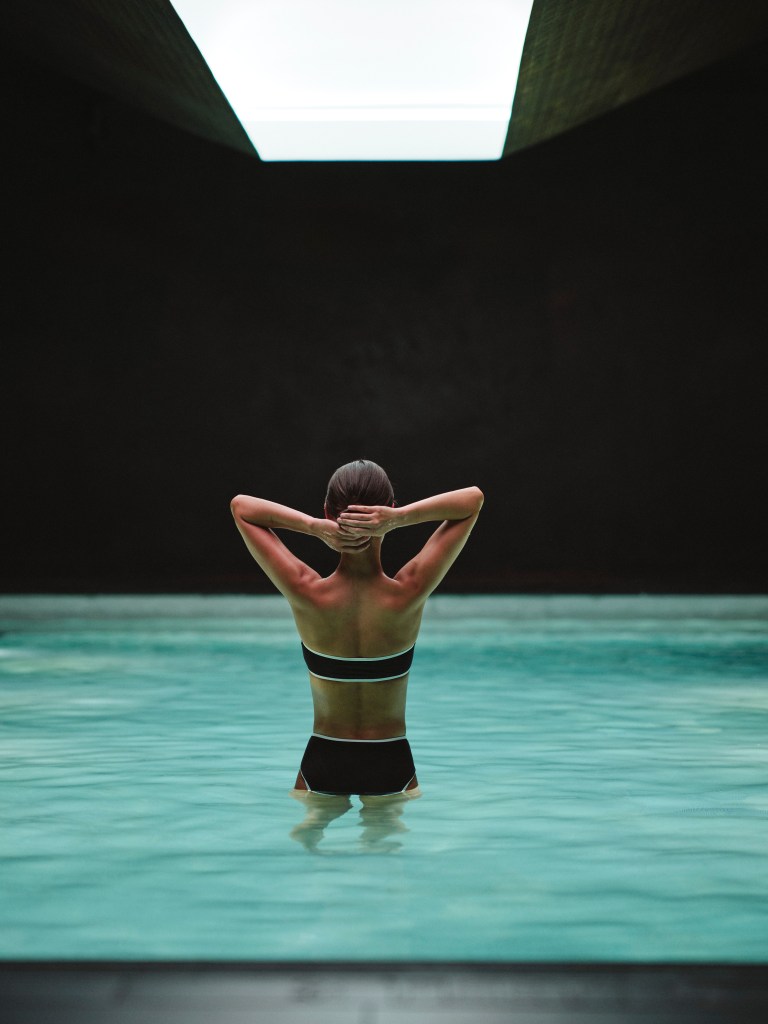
(365,79)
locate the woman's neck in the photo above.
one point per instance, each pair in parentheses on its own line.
(362,563)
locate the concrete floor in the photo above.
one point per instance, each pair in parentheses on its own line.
(360,993)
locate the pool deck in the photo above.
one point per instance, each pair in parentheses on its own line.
(37,992)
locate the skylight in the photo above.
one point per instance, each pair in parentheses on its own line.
(365,79)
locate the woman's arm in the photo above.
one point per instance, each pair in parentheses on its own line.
(260,512)
(458,510)
(376,520)
(257,518)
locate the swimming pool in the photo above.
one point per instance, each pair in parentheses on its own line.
(593,768)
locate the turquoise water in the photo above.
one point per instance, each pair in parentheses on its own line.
(594,777)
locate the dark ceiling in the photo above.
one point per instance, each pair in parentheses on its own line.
(139,53)
(582,58)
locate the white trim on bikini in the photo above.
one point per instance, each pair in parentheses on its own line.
(378,679)
(335,657)
(344,739)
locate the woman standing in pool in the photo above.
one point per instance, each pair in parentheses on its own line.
(358,626)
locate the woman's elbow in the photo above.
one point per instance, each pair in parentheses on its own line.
(479,498)
(235,504)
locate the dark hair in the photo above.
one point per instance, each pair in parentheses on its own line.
(358,483)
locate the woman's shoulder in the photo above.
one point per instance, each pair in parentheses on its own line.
(386,607)
(337,590)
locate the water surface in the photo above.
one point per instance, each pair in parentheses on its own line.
(593,769)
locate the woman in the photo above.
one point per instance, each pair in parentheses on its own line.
(358,626)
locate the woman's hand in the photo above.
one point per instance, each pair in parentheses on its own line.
(368,520)
(338,538)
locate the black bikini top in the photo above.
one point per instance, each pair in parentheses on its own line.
(368,670)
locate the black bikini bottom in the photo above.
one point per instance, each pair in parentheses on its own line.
(371,767)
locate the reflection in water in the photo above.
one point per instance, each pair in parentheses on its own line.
(379,819)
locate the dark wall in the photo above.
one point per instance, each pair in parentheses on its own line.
(579,330)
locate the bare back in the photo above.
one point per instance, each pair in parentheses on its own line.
(370,617)
(358,611)
(349,617)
